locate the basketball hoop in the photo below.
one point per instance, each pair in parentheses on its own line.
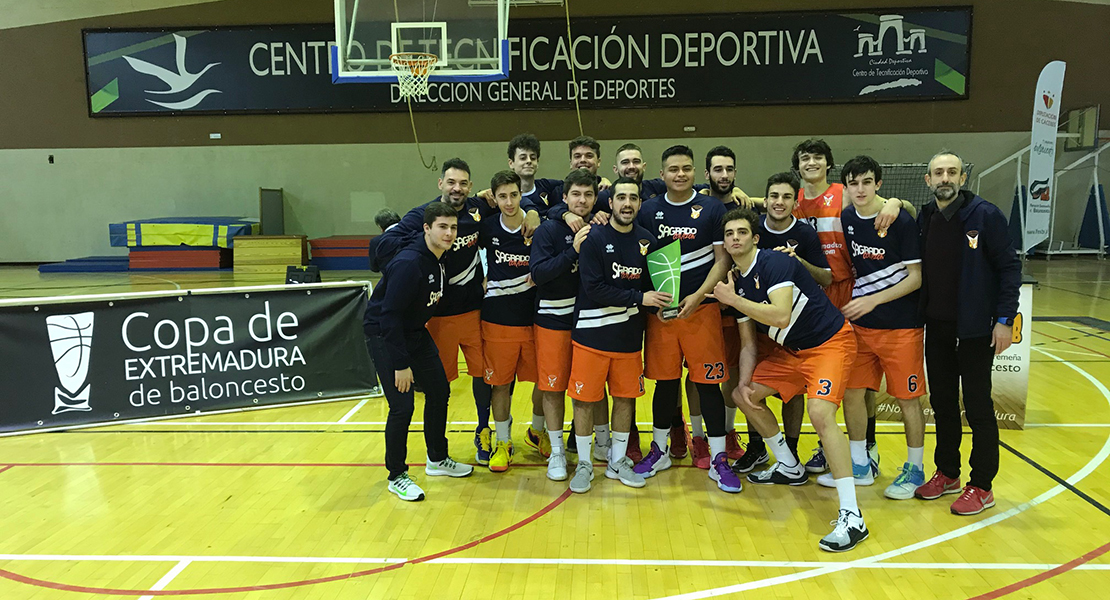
(413,69)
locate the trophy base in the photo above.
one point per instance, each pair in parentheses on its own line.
(669,313)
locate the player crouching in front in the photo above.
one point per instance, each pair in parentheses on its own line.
(813,353)
(609,331)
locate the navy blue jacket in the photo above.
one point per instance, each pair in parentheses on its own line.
(554,268)
(990,276)
(406,297)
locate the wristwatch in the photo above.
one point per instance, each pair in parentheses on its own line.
(1007,321)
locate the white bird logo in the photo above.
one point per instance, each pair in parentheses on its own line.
(180,81)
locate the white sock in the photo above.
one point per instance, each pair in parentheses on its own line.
(659,436)
(846,490)
(584,447)
(781,451)
(716,446)
(730,418)
(696,424)
(916,457)
(504,431)
(620,447)
(556,438)
(538,422)
(859,452)
(602,433)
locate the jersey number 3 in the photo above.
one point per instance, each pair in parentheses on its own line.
(714,371)
(826,387)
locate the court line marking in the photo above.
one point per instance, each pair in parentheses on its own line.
(867,562)
(168,577)
(1079,475)
(291,584)
(755,564)
(1070,343)
(1076,564)
(351,413)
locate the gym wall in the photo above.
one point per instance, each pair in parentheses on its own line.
(338,170)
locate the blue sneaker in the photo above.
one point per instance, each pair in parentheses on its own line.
(907,482)
(860,473)
(483,446)
(816,463)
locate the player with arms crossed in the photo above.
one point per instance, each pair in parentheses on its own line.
(813,353)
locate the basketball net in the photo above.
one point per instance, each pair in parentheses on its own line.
(412,69)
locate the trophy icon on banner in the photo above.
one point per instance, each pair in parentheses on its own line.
(71,344)
(665,268)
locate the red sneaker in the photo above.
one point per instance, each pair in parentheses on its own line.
(680,440)
(973,501)
(634,452)
(938,486)
(699,452)
(732,445)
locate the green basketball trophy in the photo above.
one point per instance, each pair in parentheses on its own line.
(665,268)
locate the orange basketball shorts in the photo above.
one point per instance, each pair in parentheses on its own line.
(898,353)
(509,353)
(820,372)
(454,332)
(591,369)
(553,358)
(731,337)
(698,339)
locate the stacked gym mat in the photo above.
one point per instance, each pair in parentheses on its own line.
(341,252)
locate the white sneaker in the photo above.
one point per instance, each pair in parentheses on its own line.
(376,392)
(848,530)
(623,471)
(406,489)
(583,475)
(557,467)
(447,467)
(601,453)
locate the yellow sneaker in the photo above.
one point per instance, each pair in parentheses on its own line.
(501,458)
(539,440)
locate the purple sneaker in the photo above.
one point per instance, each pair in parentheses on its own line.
(723,475)
(655,461)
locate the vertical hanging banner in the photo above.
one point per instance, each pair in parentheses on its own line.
(113,358)
(1042,153)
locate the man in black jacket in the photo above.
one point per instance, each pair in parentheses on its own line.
(969,294)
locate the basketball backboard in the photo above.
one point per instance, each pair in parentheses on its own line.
(470,42)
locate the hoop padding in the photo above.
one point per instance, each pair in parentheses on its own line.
(413,69)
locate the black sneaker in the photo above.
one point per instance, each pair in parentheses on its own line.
(848,531)
(753,457)
(572,442)
(779,475)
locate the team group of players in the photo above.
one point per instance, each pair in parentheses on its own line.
(812,302)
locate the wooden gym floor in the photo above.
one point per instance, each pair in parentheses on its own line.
(291,502)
